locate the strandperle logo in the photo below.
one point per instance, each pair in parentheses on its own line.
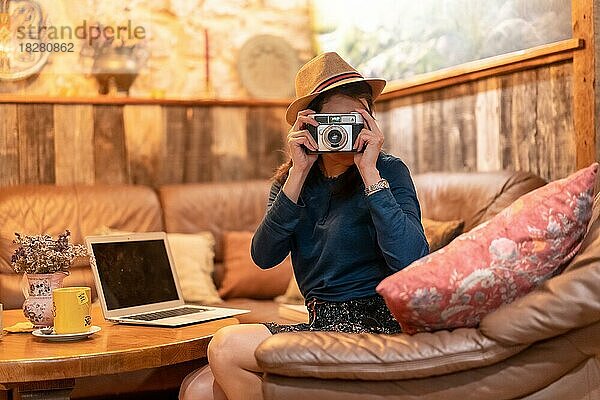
(83,31)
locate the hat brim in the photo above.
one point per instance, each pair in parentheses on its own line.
(301,103)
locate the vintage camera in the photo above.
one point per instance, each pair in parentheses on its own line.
(335,132)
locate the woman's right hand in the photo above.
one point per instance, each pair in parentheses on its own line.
(297,137)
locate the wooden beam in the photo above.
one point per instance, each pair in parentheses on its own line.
(108,100)
(585,97)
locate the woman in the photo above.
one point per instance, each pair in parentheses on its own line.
(348,219)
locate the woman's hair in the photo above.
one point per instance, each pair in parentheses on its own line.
(357,90)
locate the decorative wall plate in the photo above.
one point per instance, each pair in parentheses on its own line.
(17,60)
(267,66)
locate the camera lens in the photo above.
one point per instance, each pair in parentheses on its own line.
(334,137)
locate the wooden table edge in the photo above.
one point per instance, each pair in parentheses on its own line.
(104,363)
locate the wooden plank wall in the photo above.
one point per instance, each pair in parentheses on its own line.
(140,144)
(520,121)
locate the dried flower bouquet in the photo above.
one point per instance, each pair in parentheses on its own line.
(40,254)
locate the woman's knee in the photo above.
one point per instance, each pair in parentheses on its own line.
(223,341)
(234,345)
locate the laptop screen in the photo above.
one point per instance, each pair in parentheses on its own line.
(134,273)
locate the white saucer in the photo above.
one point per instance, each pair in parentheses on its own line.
(65,337)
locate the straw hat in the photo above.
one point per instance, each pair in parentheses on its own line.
(324,72)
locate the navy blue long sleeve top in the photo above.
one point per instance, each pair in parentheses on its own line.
(343,246)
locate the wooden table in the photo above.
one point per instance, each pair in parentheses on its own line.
(40,369)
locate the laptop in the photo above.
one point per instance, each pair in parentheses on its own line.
(137,282)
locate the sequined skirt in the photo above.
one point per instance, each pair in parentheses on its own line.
(365,315)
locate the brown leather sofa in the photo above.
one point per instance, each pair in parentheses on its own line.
(217,207)
(87,210)
(544,346)
(189,208)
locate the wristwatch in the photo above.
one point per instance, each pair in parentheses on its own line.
(376,187)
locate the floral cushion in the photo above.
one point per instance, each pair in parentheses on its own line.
(496,262)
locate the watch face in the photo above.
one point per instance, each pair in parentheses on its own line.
(22,44)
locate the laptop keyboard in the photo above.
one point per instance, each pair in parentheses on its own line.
(153,316)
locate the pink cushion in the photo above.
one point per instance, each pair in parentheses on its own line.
(497,261)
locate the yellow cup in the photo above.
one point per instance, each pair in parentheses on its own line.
(72,309)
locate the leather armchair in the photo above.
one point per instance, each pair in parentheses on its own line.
(545,345)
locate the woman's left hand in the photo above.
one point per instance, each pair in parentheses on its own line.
(371,140)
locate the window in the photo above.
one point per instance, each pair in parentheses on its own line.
(397,39)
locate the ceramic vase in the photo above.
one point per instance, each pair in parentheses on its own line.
(38,297)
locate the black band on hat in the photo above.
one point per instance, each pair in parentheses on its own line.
(335,79)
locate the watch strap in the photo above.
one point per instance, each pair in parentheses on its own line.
(376,187)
